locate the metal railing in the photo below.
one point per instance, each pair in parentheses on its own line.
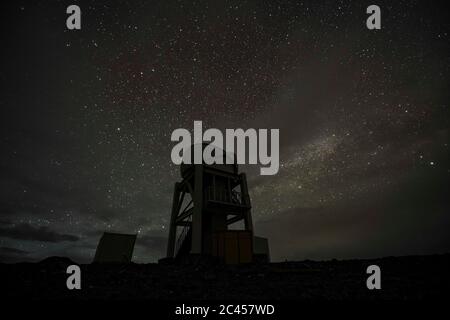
(222,195)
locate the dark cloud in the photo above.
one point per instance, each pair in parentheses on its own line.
(10,255)
(24,231)
(12,251)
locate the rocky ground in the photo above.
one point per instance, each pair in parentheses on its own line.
(402,278)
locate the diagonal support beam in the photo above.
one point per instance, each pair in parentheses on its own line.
(184,215)
(235,219)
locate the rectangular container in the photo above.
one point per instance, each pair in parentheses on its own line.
(233,246)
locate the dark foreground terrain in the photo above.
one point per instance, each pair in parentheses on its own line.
(402,278)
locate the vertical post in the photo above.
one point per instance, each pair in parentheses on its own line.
(228,193)
(214,187)
(196,246)
(246,200)
(173,217)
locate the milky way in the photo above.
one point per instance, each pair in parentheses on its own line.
(363,116)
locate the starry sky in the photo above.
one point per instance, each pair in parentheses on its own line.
(363,116)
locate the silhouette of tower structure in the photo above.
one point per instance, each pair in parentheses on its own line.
(207,200)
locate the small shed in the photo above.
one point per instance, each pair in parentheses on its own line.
(115,248)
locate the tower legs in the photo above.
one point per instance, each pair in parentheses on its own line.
(197,223)
(173,227)
(246,198)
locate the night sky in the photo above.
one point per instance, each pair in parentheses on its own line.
(86,119)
